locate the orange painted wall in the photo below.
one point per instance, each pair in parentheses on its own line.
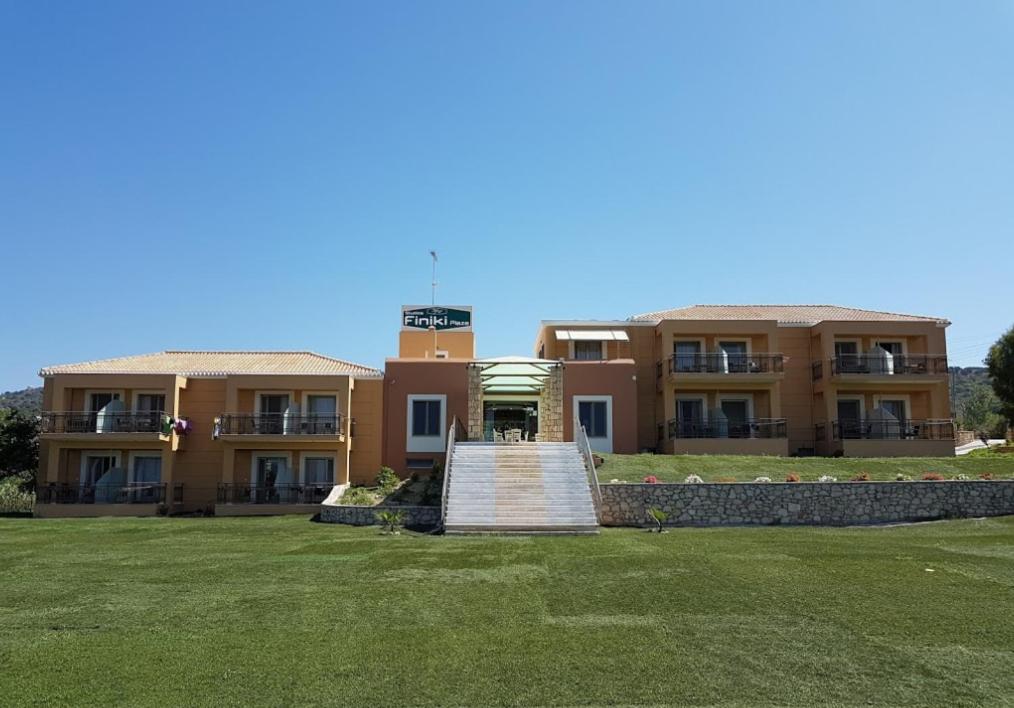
(612,378)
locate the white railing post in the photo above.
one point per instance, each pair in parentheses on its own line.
(451,434)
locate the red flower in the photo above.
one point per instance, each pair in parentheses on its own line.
(651,479)
(792,477)
(933,477)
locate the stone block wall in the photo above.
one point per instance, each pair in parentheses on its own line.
(474,423)
(415,516)
(807,503)
(551,407)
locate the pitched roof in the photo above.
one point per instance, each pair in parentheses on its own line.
(786,314)
(209,363)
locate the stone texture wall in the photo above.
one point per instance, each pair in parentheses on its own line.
(551,407)
(474,426)
(813,503)
(415,516)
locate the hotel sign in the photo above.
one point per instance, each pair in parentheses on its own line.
(415,317)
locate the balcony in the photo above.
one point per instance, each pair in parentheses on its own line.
(275,424)
(879,429)
(753,428)
(141,493)
(273,494)
(878,365)
(68,425)
(721,364)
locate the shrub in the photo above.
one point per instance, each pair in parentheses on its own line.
(726,480)
(792,477)
(658,516)
(14,499)
(762,480)
(900,477)
(986,475)
(359,496)
(391,520)
(861,477)
(827,478)
(933,477)
(387,480)
(651,479)
(962,477)
(693,479)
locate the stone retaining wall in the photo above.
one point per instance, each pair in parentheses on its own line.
(415,516)
(812,503)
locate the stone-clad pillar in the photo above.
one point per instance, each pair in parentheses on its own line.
(474,402)
(551,407)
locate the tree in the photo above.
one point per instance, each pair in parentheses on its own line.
(19,445)
(980,411)
(1000,364)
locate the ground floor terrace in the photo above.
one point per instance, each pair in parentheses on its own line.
(284,611)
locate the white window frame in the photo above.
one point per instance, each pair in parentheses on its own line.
(907,398)
(748,397)
(256,455)
(270,392)
(702,397)
(85,454)
(133,455)
(851,397)
(600,444)
(572,350)
(702,341)
(111,391)
(426,443)
(305,455)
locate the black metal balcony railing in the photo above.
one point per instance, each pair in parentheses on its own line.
(906,429)
(751,428)
(93,422)
(138,493)
(273,493)
(722,363)
(872,364)
(278,424)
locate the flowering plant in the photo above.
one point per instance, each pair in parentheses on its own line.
(693,479)
(792,477)
(962,477)
(903,477)
(861,477)
(651,479)
(762,480)
(827,478)
(986,475)
(933,477)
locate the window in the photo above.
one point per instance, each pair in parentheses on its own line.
(588,350)
(150,402)
(892,348)
(318,470)
(426,418)
(592,415)
(735,357)
(274,403)
(690,410)
(687,356)
(322,405)
(847,355)
(596,413)
(147,469)
(96,466)
(441,354)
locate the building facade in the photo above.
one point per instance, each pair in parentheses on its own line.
(264,432)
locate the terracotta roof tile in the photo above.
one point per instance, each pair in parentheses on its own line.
(786,314)
(212,363)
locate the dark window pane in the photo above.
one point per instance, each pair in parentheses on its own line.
(426,418)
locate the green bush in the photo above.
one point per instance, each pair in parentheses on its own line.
(13,497)
(359,496)
(391,521)
(387,480)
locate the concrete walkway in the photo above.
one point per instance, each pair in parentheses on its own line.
(976,445)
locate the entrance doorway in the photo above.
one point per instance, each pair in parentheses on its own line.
(510,415)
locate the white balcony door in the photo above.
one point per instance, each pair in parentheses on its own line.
(735,357)
(95,467)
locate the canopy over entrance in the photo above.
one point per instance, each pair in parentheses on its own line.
(514,374)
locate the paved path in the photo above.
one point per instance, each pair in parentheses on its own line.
(976,445)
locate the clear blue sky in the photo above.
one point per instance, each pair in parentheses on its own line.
(232,175)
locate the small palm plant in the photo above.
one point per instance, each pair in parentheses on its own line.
(391,521)
(658,516)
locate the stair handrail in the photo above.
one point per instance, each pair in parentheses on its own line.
(451,437)
(584,446)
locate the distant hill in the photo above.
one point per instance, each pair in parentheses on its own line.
(27,400)
(964,378)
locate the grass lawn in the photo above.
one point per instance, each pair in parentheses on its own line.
(744,468)
(281,611)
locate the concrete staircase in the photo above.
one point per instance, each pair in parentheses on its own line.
(519,488)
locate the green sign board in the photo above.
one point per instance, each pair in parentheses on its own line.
(437,317)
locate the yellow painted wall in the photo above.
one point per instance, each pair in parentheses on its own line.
(419,344)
